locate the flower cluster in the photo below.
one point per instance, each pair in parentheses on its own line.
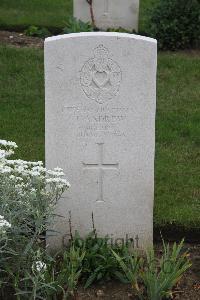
(39,266)
(4,224)
(6,148)
(28,189)
(28,177)
(28,196)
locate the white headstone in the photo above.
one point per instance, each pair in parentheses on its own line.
(100,128)
(109,13)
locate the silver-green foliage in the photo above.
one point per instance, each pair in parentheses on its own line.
(28,195)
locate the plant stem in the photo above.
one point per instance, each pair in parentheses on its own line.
(90,2)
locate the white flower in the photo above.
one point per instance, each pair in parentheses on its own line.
(39,169)
(19,169)
(2,153)
(40,266)
(59,181)
(5,153)
(58,169)
(18,178)
(5,169)
(29,179)
(4,223)
(35,163)
(8,144)
(34,173)
(55,173)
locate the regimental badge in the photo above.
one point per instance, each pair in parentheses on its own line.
(100,76)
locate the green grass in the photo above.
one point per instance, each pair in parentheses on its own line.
(22,100)
(177,193)
(22,13)
(19,14)
(178,141)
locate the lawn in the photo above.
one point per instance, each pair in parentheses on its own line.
(22,13)
(178,141)
(177,193)
(22,100)
(19,14)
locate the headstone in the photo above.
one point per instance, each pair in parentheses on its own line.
(109,13)
(100,128)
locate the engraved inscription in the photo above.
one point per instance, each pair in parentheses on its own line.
(98,121)
(100,76)
(100,167)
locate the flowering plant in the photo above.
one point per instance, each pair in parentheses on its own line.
(28,195)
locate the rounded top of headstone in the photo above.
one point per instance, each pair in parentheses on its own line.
(100,34)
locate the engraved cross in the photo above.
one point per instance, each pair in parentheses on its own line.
(106,7)
(100,167)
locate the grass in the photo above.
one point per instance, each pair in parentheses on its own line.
(19,14)
(178,141)
(177,193)
(22,13)
(22,100)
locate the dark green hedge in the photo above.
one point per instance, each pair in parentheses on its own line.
(176,24)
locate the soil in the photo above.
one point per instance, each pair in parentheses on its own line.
(20,40)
